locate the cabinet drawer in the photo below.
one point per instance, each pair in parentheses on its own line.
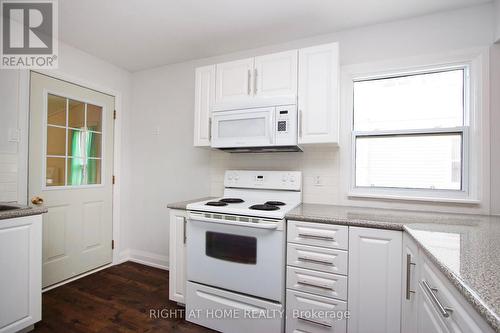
(319,283)
(312,313)
(318,234)
(318,258)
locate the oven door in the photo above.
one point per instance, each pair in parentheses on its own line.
(243,128)
(246,259)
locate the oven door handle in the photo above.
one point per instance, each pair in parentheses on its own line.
(260,225)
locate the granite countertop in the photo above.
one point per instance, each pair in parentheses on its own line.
(466,248)
(23,211)
(183,204)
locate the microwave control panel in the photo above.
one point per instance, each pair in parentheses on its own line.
(286,125)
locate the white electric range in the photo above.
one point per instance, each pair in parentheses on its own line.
(236,252)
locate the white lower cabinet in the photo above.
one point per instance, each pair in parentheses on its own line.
(177,256)
(434,304)
(21,273)
(374,280)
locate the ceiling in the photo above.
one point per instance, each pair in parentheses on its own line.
(137,35)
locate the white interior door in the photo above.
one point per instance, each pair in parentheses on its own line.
(70,169)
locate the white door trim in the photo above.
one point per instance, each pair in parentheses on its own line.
(24,109)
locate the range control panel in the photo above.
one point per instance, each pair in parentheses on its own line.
(274,180)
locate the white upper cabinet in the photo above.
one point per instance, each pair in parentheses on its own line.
(234,82)
(204,99)
(275,76)
(318,94)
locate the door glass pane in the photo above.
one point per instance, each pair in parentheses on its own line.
(93,144)
(242,128)
(56,110)
(229,247)
(416,101)
(76,169)
(55,171)
(76,114)
(76,143)
(56,141)
(94,171)
(94,118)
(410,161)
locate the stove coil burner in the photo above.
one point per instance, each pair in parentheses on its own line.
(232,200)
(216,203)
(275,203)
(264,207)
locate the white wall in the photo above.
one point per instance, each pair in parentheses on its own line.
(166,166)
(495,121)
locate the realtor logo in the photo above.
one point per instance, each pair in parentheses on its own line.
(29,34)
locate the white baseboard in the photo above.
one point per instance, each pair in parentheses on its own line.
(145,258)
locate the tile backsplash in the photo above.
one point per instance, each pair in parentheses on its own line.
(8,177)
(319,166)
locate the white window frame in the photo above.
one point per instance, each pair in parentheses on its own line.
(473,155)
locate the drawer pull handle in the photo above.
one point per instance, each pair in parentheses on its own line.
(328,238)
(313,285)
(408,276)
(315,261)
(315,322)
(445,311)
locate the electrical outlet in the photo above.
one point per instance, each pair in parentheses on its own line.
(318,181)
(14,135)
(156,131)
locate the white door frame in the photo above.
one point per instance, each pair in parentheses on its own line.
(24,110)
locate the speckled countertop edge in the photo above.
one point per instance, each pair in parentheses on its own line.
(470,295)
(23,211)
(350,222)
(182,204)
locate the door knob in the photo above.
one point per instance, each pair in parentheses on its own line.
(36,201)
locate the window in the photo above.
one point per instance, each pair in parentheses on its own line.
(73,143)
(410,132)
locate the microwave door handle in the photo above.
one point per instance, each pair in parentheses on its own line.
(272,131)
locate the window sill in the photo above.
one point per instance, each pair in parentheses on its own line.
(462,201)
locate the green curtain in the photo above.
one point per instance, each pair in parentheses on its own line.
(91,164)
(77,164)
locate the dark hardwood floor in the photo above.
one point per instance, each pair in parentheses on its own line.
(116,299)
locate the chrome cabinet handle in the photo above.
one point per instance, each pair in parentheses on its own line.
(210,129)
(184,231)
(313,285)
(408,277)
(255,81)
(317,237)
(314,322)
(300,123)
(249,88)
(315,261)
(445,311)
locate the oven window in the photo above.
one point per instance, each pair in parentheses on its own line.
(229,247)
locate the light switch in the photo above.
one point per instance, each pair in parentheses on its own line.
(14,135)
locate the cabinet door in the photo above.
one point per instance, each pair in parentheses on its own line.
(234,83)
(21,273)
(177,256)
(409,283)
(275,77)
(318,94)
(374,285)
(204,99)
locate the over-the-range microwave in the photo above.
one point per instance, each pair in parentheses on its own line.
(265,129)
